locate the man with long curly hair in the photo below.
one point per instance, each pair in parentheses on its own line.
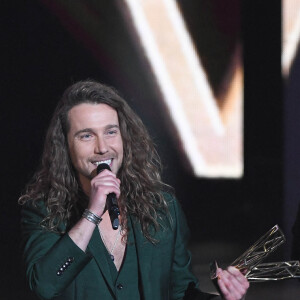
(71,250)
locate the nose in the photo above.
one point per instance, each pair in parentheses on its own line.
(100,146)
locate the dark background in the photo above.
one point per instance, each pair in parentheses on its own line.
(40,58)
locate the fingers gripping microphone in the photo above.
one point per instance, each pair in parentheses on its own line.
(111,201)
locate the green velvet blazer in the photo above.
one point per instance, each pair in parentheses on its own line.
(57,269)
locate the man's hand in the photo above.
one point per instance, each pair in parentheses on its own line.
(103,184)
(232,283)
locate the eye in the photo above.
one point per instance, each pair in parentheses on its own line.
(112,132)
(85,136)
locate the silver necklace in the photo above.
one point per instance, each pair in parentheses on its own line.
(114,245)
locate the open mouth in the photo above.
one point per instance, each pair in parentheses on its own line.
(107,161)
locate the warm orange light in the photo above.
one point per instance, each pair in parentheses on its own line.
(211,136)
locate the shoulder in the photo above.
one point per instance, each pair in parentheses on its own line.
(175,211)
(34,213)
(168,196)
(34,209)
(178,219)
(173,204)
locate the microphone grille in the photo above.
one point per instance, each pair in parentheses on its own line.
(102,167)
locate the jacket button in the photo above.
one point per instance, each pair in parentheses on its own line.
(120,286)
(70,259)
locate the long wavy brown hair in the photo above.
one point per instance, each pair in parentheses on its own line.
(56,181)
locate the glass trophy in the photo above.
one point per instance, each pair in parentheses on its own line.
(249,263)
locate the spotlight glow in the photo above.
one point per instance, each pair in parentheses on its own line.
(210,136)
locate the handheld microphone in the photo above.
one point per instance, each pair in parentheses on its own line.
(111,201)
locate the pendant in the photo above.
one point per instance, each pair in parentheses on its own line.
(112,257)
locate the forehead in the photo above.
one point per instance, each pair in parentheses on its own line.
(92,116)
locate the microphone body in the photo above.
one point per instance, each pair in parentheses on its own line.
(111,201)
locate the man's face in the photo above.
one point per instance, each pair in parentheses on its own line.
(94,137)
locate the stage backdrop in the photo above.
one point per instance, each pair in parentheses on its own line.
(222,153)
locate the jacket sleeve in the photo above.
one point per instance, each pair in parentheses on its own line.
(184,283)
(52,260)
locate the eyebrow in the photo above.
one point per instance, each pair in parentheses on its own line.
(92,130)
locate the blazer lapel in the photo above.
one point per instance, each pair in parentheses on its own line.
(95,249)
(144,251)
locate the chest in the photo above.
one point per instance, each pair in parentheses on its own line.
(114,242)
